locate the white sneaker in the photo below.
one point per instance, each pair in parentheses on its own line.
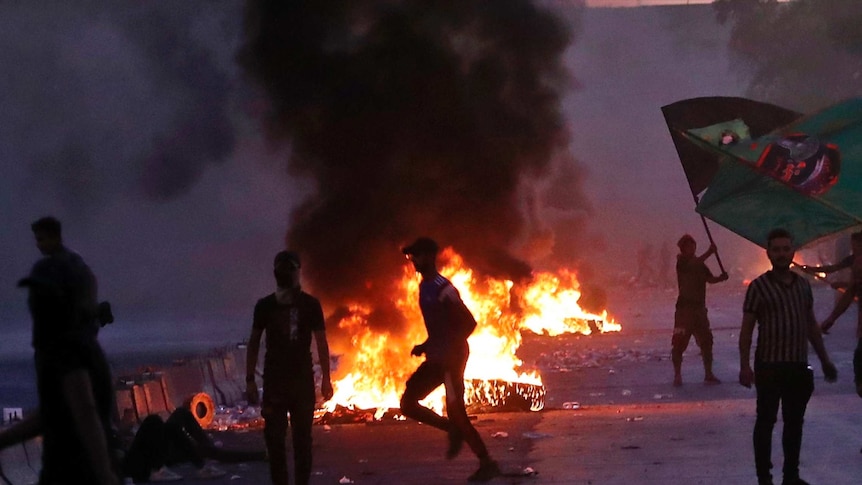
(210,471)
(165,474)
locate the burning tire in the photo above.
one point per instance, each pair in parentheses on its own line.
(497,395)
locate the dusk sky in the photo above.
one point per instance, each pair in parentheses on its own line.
(180,219)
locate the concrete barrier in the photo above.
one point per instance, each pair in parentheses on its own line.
(21,463)
(220,374)
(198,383)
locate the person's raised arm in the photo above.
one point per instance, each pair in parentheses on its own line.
(251,355)
(828,268)
(709,252)
(78,393)
(841,306)
(746,375)
(717,279)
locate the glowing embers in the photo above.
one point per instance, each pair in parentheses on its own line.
(497,395)
(480,396)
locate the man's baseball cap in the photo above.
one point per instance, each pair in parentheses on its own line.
(423,245)
(291,257)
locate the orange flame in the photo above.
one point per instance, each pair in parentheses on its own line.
(380,363)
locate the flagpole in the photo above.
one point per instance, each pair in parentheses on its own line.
(709,235)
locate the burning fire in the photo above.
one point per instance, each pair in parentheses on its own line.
(381,362)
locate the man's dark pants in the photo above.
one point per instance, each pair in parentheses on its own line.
(428,377)
(158,443)
(298,399)
(789,385)
(691,321)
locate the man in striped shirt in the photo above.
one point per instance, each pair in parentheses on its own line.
(782,304)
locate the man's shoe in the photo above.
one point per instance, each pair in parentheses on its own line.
(767,480)
(487,471)
(165,474)
(456,440)
(677,381)
(710,379)
(794,481)
(210,471)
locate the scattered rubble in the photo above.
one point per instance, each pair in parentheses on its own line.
(566,359)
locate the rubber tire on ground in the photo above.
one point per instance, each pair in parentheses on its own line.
(202,407)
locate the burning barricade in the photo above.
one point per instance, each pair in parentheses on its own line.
(369,383)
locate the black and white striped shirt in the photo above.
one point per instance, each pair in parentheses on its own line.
(784,313)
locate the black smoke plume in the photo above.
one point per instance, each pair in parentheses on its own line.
(412,118)
(800,55)
(201,132)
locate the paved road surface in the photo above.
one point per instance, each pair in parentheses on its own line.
(631,425)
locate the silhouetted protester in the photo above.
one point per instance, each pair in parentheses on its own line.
(780,302)
(853,261)
(853,290)
(690,318)
(448,323)
(73,378)
(290,317)
(158,444)
(146,451)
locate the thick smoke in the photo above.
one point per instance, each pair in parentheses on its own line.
(802,55)
(107,98)
(202,132)
(117,117)
(412,118)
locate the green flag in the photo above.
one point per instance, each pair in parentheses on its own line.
(805,177)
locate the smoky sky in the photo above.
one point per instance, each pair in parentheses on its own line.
(413,119)
(200,130)
(127,98)
(124,120)
(514,135)
(803,55)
